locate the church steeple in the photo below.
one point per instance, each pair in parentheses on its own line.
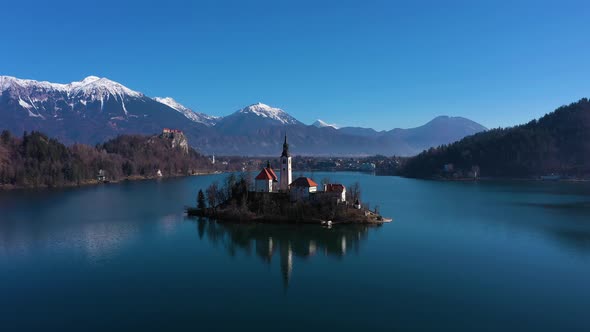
(286,176)
(285,148)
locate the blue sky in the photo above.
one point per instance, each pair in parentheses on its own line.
(380,64)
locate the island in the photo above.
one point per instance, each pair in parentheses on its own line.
(280,199)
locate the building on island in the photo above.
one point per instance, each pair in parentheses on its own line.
(336,190)
(266,181)
(301,188)
(286,177)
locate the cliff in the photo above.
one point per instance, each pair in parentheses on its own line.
(177,139)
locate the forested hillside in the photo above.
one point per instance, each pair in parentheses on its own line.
(34,160)
(557,143)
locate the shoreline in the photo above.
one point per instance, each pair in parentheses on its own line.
(226,216)
(88,183)
(435,178)
(497,179)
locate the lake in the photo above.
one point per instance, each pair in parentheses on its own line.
(458,256)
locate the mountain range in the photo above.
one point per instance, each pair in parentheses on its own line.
(96,109)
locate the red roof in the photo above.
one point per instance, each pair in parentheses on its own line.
(267,174)
(335,187)
(274,176)
(303,182)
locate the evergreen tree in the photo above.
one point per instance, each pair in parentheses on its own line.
(556,143)
(37,160)
(201,200)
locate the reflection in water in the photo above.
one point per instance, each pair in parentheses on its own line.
(284,241)
(97,240)
(102,240)
(169,224)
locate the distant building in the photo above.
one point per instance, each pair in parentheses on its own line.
(159,173)
(448,168)
(368,167)
(337,190)
(266,180)
(474,173)
(171,131)
(101,176)
(286,176)
(301,188)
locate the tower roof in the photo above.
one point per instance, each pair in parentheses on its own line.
(285,148)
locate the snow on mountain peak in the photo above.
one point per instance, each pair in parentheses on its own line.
(322,124)
(170,102)
(187,112)
(10,82)
(91,86)
(90,79)
(98,87)
(269,112)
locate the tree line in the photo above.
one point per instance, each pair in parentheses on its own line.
(557,143)
(36,160)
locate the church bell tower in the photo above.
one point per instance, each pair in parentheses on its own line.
(286,178)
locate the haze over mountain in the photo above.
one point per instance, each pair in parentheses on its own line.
(96,109)
(321,124)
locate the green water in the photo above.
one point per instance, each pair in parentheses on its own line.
(457,257)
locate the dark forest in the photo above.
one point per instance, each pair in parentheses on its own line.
(557,143)
(35,160)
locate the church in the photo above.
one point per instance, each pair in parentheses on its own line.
(267,180)
(302,188)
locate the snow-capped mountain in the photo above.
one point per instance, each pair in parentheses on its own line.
(89,86)
(203,118)
(88,111)
(322,124)
(44,99)
(265,111)
(255,117)
(96,109)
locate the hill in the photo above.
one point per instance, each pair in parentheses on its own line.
(35,160)
(557,143)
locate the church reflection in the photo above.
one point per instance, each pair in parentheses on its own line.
(283,241)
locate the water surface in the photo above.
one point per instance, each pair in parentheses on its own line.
(458,256)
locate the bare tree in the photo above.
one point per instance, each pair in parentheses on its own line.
(212,195)
(354,191)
